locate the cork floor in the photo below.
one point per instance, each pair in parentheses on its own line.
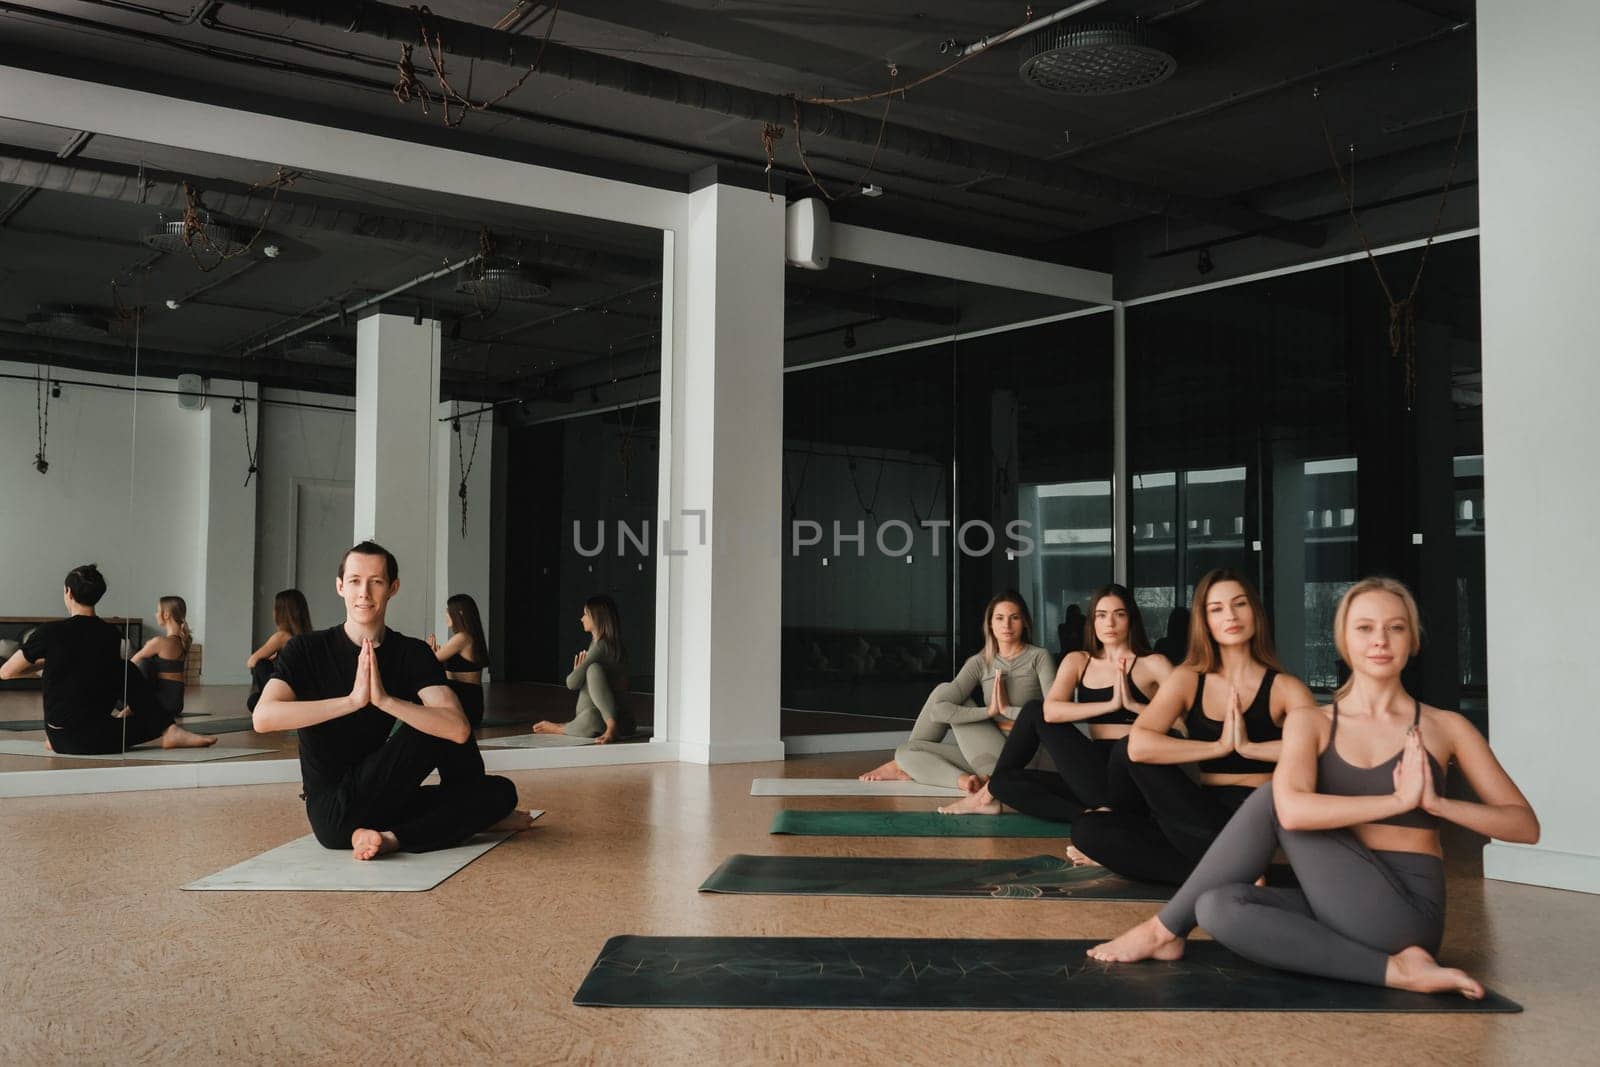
(103,959)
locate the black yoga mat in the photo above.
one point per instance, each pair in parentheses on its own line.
(22,724)
(1022,878)
(831,823)
(965,975)
(38,724)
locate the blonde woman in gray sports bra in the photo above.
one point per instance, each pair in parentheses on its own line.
(1009,672)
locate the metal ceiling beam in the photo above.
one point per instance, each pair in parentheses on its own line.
(467,40)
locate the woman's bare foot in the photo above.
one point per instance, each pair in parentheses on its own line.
(1079,858)
(980,803)
(971,783)
(1147,941)
(517,820)
(370,844)
(889,772)
(176,736)
(1414,969)
(543,727)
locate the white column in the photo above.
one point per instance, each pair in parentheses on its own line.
(397,400)
(461,559)
(1539,149)
(222,612)
(723,459)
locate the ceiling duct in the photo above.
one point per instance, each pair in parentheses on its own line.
(69,323)
(504,279)
(1097,58)
(323,349)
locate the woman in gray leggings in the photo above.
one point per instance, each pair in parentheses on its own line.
(1361,831)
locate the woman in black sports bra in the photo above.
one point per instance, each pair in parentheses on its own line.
(1231,699)
(464,655)
(1090,768)
(1360,830)
(164,658)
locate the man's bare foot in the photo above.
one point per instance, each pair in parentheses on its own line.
(543,727)
(889,772)
(980,803)
(176,736)
(1414,969)
(1079,858)
(517,820)
(971,783)
(370,844)
(1147,941)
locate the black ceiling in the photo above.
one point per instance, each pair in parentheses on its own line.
(975,156)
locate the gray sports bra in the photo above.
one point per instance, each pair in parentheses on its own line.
(1339,778)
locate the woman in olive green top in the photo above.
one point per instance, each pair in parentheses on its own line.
(1009,672)
(600,678)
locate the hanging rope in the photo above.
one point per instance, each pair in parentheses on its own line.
(455,105)
(872,161)
(41,393)
(1403,312)
(196,219)
(243,407)
(465,465)
(771,134)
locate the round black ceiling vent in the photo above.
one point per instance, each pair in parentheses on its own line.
(501,278)
(1096,59)
(69,323)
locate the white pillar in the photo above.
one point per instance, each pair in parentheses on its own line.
(223,618)
(397,400)
(1539,149)
(461,560)
(720,610)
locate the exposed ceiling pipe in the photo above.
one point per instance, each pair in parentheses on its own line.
(471,41)
(164,192)
(1037,24)
(77,143)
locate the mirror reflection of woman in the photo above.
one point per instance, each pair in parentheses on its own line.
(1231,698)
(291,616)
(1007,673)
(464,654)
(1356,805)
(600,678)
(1103,688)
(164,659)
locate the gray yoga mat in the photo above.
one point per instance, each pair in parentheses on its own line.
(1021,878)
(845,787)
(212,727)
(305,866)
(143,755)
(534,741)
(966,975)
(22,724)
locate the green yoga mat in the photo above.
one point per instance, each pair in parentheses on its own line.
(22,724)
(186,721)
(218,726)
(1024,878)
(912,824)
(965,975)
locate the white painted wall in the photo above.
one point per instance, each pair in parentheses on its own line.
(1539,152)
(156,504)
(308,456)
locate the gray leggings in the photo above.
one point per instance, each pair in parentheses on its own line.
(1354,908)
(928,758)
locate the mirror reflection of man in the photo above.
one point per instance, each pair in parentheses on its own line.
(345,689)
(95,703)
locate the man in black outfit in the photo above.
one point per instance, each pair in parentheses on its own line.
(95,703)
(344,688)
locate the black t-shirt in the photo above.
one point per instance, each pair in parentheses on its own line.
(321,665)
(83,667)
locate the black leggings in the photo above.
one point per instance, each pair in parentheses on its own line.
(1088,774)
(471,697)
(1164,844)
(260,675)
(101,734)
(385,792)
(1353,910)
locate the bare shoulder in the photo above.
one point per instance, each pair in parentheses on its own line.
(1309,716)
(1157,664)
(1290,692)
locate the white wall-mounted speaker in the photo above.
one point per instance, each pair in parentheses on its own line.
(807,240)
(191,392)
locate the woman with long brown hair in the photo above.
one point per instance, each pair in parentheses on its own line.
(464,654)
(164,659)
(1090,767)
(1009,672)
(1233,741)
(291,616)
(1360,831)
(600,678)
